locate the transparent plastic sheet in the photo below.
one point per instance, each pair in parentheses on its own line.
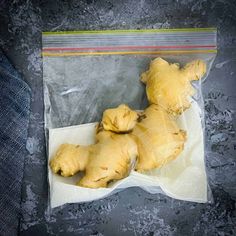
(89,71)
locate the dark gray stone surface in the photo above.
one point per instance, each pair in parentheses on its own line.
(133,211)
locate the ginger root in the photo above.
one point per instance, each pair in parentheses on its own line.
(153,142)
(69,159)
(121,119)
(110,159)
(169,86)
(152,138)
(158,137)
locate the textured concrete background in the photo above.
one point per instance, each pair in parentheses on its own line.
(133,211)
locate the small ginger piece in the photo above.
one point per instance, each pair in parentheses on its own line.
(69,159)
(158,137)
(169,86)
(121,119)
(110,159)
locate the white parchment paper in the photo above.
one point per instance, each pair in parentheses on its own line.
(183,178)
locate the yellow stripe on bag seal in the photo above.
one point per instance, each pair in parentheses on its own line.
(67,54)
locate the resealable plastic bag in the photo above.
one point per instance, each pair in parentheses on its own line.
(86,72)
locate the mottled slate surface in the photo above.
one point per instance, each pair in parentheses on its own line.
(133,211)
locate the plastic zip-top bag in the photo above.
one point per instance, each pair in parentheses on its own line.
(88,72)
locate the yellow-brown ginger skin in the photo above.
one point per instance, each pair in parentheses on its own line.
(121,119)
(158,137)
(69,159)
(110,159)
(169,86)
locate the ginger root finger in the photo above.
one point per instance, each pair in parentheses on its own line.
(110,159)
(69,159)
(195,70)
(121,119)
(169,86)
(158,138)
